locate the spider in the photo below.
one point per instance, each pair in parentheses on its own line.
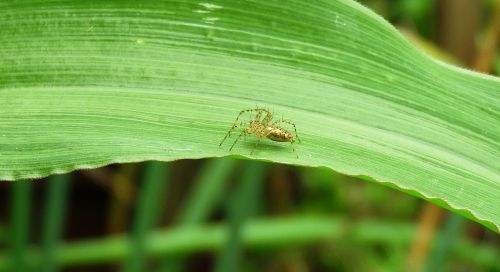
(261,126)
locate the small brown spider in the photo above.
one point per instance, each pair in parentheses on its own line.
(261,127)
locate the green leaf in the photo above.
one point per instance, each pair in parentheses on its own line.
(89,83)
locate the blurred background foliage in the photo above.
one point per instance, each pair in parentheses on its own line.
(236,215)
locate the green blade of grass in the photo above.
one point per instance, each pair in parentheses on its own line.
(148,202)
(208,191)
(241,205)
(259,234)
(19,228)
(445,242)
(206,194)
(88,83)
(3,235)
(55,209)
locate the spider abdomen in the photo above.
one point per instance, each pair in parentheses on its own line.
(279,135)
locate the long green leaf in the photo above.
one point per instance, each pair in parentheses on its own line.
(20,213)
(88,83)
(259,234)
(53,223)
(148,200)
(240,207)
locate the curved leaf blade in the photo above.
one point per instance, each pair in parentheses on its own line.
(84,84)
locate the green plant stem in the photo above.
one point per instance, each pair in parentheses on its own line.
(242,204)
(55,208)
(208,191)
(20,226)
(3,235)
(205,197)
(258,234)
(445,242)
(150,195)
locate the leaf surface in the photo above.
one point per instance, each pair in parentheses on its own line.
(89,83)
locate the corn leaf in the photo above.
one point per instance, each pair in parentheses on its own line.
(88,83)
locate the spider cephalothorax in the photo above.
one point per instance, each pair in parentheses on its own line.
(261,126)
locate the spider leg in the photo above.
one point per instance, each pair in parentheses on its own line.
(242,133)
(258,114)
(293,149)
(257,110)
(267,118)
(236,124)
(228,134)
(290,123)
(255,146)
